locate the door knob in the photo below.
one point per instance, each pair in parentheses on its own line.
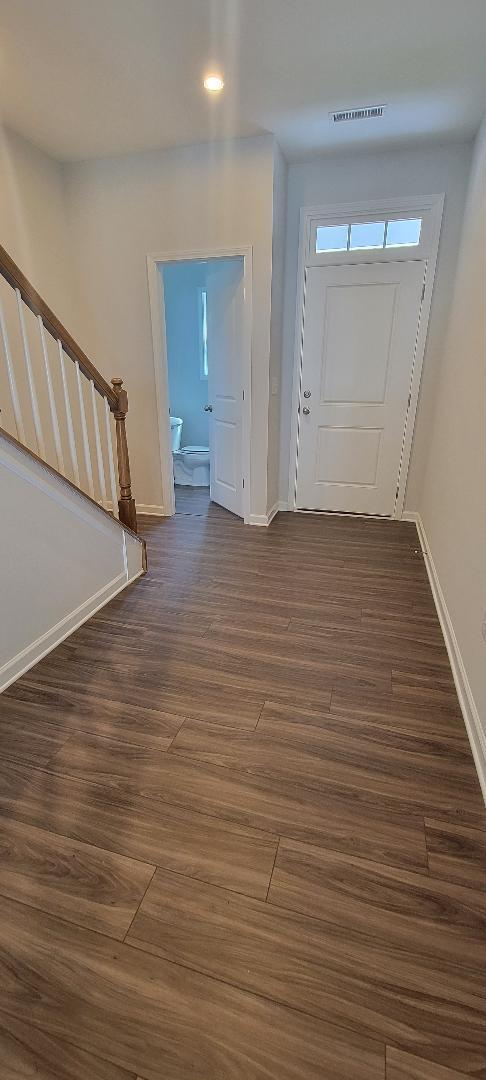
(208,408)
(305,410)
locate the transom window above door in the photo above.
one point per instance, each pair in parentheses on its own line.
(368,235)
(392,230)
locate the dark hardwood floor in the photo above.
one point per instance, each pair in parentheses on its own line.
(242,837)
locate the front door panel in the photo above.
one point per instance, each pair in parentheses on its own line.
(360,329)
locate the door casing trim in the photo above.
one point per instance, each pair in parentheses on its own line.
(334,213)
(157,318)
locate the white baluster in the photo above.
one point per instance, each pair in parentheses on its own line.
(41,446)
(19,424)
(52,401)
(84,429)
(111,461)
(69,418)
(99,454)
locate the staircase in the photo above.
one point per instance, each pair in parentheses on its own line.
(69,536)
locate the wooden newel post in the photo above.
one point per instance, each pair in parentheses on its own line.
(126,504)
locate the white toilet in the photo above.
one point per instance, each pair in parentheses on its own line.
(191,463)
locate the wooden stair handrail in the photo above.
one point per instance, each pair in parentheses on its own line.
(115,395)
(11,272)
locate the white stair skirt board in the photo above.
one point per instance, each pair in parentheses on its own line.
(469,710)
(63,558)
(30,656)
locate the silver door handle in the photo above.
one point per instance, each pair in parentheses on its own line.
(208,408)
(305,410)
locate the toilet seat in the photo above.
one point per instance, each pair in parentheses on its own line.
(194,449)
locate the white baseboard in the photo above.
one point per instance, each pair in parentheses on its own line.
(265,519)
(18,665)
(477,737)
(151,510)
(258,519)
(144,508)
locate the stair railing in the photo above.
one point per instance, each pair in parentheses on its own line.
(72,406)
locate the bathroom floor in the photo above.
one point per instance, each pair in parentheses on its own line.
(192,500)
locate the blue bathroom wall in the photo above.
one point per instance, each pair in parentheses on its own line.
(188,392)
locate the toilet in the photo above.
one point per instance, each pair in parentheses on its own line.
(191,463)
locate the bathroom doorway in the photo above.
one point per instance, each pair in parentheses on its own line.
(203,379)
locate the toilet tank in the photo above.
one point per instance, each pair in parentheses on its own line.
(175,432)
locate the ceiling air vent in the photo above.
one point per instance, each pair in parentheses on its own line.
(366,112)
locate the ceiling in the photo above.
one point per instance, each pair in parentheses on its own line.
(89,78)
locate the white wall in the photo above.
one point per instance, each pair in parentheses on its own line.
(453,500)
(60,559)
(33,222)
(387,174)
(191,199)
(34,231)
(188,391)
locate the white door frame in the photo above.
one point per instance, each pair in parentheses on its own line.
(157,317)
(432,207)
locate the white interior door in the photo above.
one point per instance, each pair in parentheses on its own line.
(360,328)
(225,299)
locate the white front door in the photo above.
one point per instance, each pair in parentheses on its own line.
(225,299)
(360,329)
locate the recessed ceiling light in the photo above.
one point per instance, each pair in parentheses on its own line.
(213,83)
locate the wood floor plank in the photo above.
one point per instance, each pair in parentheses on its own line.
(403,1066)
(420,627)
(307,655)
(372,644)
(269,718)
(27,1051)
(291,723)
(150,622)
(431,1007)
(31,740)
(185,697)
(158,1019)
(338,584)
(435,688)
(253,621)
(287,746)
(408,909)
(200,598)
(190,843)
(281,667)
(413,716)
(346,818)
(78,882)
(456,853)
(93,713)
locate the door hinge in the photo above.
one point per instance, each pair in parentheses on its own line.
(423,292)
(409,401)
(243,481)
(243,394)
